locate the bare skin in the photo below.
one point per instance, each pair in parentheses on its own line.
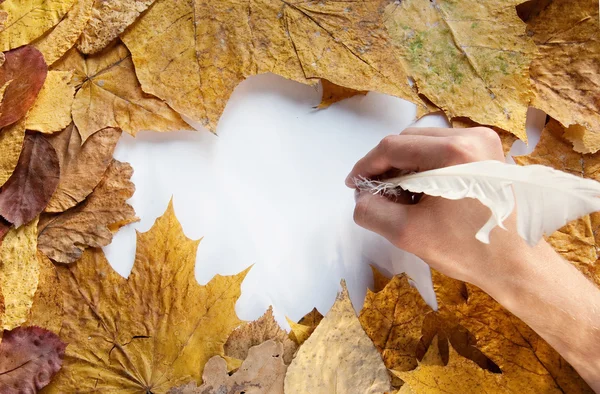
(535,284)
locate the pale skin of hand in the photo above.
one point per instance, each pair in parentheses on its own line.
(535,284)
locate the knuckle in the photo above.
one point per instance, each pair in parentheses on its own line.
(488,135)
(461,149)
(387,143)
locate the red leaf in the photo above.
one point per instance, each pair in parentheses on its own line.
(29,359)
(25,72)
(30,187)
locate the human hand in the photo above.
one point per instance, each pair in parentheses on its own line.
(440,231)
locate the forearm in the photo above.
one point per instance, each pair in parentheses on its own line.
(557,302)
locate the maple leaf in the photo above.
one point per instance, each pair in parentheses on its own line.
(459,375)
(56,42)
(470,58)
(51,112)
(150,332)
(578,241)
(193,54)
(304,328)
(19,273)
(338,356)
(27,192)
(23,72)
(333,93)
(11,144)
(29,358)
(566,75)
(29,19)
(262,372)
(109,95)
(63,237)
(47,307)
(257,332)
(81,166)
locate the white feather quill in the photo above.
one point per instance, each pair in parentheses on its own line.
(546,198)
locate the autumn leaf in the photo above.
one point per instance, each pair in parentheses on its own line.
(27,192)
(333,93)
(23,72)
(47,308)
(19,273)
(29,358)
(578,241)
(304,328)
(63,237)
(469,58)
(59,40)
(81,166)
(109,95)
(150,332)
(193,54)
(566,74)
(338,357)
(4,227)
(460,375)
(257,332)
(11,144)
(262,372)
(380,281)
(51,112)
(531,8)
(29,19)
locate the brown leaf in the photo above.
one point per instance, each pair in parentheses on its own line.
(566,74)
(81,166)
(531,8)
(47,308)
(11,144)
(333,93)
(262,372)
(63,237)
(147,333)
(380,281)
(257,332)
(25,72)
(28,190)
(579,240)
(4,227)
(29,358)
(109,95)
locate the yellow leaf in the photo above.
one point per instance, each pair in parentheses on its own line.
(19,273)
(29,19)
(109,95)
(461,375)
(193,54)
(579,240)
(380,281)
(51,111)
(257,332)
(566,74)
(47,309)
(59,40)
(338,357)
(333,93)
(470,58)
(150,332)
(304,328)
(11,144)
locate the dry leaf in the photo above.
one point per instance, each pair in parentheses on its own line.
(109,19)
(27,192)
(23,72)
(333,93)
(460,375)
(29,19)
(380,281)
(4,227)
(11,144)
(469,58)
(19,273)
(29,358)
(507,139)
(47,309)
(52,109)
(59,40)
(109,95)
(150,332)
(304,328)
(578,241)
(566,74)
(257,332)
(63,237)
(338,357)
(262,372)
(193,54)
(531,8)
(81,166)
